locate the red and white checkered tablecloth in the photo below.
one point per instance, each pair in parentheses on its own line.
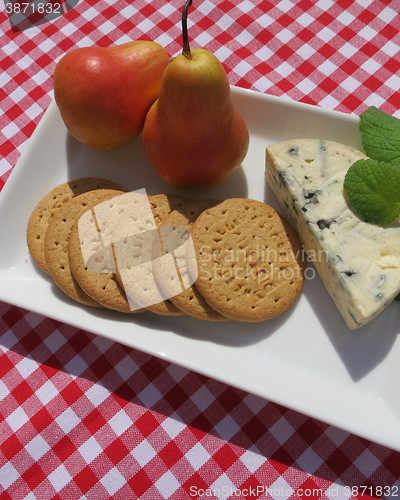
(83,417)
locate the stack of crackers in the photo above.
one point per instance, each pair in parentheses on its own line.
(247,261)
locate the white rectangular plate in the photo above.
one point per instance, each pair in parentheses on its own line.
(306,359)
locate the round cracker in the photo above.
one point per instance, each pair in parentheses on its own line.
(189,301)
(248,260)
(98,281)
(140,285)
(48,206)
(57,239)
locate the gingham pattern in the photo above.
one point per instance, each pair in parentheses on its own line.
(85,418)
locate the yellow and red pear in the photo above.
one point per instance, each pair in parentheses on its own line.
(104,93)
(193,134)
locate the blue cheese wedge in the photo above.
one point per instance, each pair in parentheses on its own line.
(358,262)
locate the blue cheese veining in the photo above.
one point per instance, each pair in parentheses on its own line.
(358,262)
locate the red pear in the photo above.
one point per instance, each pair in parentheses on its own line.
(193,134)
(104,93)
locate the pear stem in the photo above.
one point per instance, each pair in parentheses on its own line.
(186,48)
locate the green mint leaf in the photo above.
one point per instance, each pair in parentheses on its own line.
(397,298)
(373,190)
(380,135)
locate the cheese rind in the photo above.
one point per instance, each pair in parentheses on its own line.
(358,262)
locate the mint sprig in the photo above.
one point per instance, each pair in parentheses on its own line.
(373,190)
(372,186)
(380,135)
